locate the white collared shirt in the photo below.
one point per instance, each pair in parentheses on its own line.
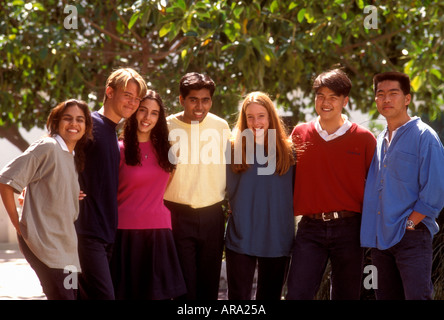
(341,131)
(62,143)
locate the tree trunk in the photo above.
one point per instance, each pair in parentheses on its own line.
(12,134)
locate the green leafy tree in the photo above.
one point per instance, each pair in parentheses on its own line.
(53,50)
(269,45)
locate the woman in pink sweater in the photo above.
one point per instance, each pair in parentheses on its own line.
(145,263)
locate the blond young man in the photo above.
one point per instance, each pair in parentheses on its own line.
(97,222)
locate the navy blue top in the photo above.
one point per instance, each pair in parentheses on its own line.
(262,221)
(99,180)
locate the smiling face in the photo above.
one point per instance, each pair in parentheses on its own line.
(147,116)
(329,105)
(196,105)
(258,119)
(122,102)
(72,126)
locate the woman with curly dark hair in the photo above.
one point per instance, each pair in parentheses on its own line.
(145,263)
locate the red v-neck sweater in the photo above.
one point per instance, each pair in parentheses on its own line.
(330,175)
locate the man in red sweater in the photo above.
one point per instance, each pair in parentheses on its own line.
(333,158)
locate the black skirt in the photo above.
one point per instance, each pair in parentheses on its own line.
(145,265)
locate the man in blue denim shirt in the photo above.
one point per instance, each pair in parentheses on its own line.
(404,194)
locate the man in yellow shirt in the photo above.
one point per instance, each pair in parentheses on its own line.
(196,191)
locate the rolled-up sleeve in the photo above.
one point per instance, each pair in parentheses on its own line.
(23,170)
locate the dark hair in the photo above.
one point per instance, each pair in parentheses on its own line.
(336,80)
(52,124)
(196,81)
(402,78)
(158,136)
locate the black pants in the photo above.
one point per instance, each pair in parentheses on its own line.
(199,238)
(272,273)
(52,280)
(95,280)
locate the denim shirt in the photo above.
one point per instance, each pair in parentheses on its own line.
(407,176)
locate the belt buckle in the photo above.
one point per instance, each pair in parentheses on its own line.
(335,216)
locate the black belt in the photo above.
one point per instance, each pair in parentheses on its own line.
(333,215)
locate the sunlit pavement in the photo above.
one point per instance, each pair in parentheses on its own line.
(17,279)
(19,282)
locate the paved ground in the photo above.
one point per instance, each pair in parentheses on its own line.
(18,280)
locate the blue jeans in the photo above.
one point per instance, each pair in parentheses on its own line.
(317,241)
(405,270)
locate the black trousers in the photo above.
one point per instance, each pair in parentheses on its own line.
(53,281)
(95,281)
(199,238)
(272,273)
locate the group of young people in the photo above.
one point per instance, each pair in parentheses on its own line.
(141,219)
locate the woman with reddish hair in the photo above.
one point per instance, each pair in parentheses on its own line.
(260,228)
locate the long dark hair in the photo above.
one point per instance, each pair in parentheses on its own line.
(52,124)
(158,136)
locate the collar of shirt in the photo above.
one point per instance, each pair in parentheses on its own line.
(62,143)
(341,131)
(386,135)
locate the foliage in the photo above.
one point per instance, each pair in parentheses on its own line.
(269,45)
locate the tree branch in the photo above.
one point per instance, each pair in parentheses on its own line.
(110,34)
(377,38)
(164,54)
(126,25)
(12,134)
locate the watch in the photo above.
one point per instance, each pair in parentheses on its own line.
(410,224)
